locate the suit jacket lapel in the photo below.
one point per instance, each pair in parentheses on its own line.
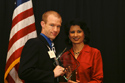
(45,42)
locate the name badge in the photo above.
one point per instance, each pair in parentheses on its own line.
(51,54)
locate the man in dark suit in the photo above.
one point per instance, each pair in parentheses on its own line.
(36,63)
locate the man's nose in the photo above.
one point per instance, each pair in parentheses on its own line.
(55,28)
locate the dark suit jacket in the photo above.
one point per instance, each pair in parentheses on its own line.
(35,63)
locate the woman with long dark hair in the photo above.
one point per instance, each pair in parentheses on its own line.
(90,69)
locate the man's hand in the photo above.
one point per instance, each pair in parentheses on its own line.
(58,71)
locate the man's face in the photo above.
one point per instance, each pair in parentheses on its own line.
(52,27)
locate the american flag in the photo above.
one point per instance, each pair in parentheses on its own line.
(23,28)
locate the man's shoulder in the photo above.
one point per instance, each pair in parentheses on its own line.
(35,40)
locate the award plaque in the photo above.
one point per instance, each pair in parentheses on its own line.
(68,61)
(70,64)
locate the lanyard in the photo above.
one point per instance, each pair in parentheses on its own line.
(52,55)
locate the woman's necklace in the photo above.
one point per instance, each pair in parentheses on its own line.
(76,52)
(79,48)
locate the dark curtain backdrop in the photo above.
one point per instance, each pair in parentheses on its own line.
(105,18)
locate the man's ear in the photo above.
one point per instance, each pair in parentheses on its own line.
(42,24)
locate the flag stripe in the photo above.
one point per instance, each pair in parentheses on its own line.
(22,24)
(16,67)
(19,43)
(14,75)
(11,59)
(23,7)
(22,16)
(10,78)
(11,66)
(20,34)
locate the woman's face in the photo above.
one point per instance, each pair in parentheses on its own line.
(76,34)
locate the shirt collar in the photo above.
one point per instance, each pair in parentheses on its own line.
(86,48)
(47,39)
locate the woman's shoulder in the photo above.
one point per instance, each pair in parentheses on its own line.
(93,49)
